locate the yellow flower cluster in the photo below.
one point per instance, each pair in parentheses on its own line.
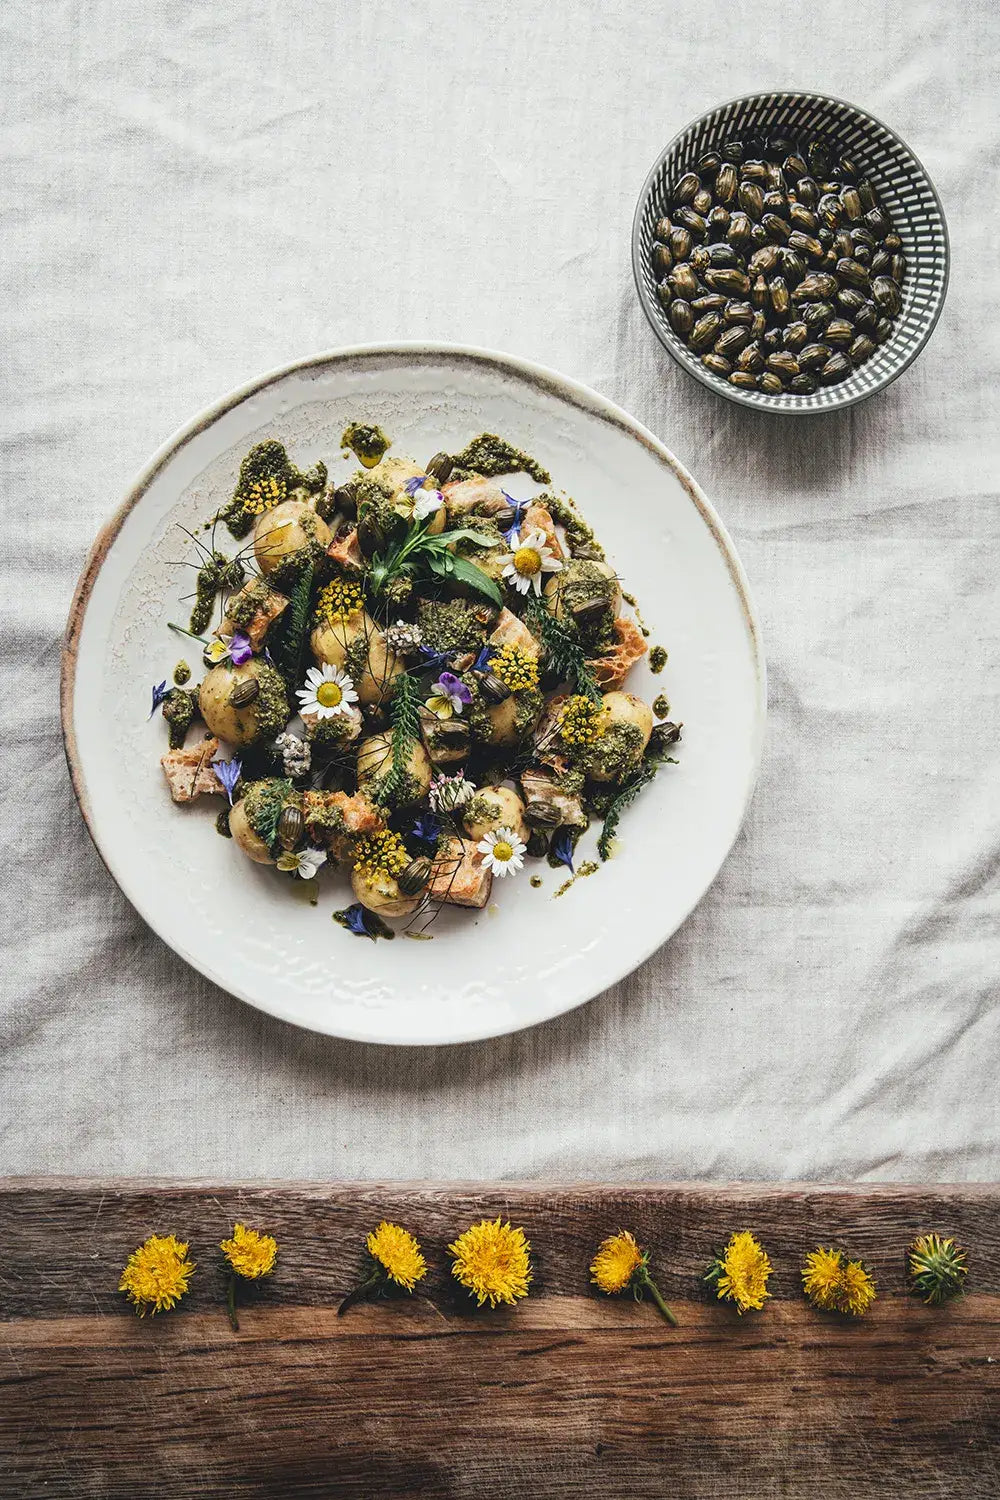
(250,1253)
(156,1275)
(380,854)
(339,601)
(515,667)
(398,1253)
(740,1273)
(492,1261)
(616,1262)
(263,494)
(581,722)
(835,1283)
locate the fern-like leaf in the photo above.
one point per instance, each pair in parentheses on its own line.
(404,716)
(624,798)
(290,646)
(565,654)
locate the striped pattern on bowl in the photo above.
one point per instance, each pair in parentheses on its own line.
(906,192)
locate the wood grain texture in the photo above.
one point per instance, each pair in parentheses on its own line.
(570,1394)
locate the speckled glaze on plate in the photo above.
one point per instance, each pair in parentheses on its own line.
(528,957)
(907,194)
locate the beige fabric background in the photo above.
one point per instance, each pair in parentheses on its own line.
(192,194)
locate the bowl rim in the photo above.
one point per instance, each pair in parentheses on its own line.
(713,382)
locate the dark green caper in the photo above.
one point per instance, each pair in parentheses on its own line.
(291,826)
(681,317)
(802,384)
(717,364)
(244,693)
(885,294)
(751,199)
(837,367)
(743,380)
(685,188)
(416,875)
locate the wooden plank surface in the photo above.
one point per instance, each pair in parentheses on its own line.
(570,1394)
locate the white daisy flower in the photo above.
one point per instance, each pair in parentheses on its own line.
(328,691)
(304,862)
(502,851)
(425,503)
(529,558)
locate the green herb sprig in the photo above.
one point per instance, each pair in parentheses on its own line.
(418,553)
(404,716)
(566,655)
(290,645)
(624,798)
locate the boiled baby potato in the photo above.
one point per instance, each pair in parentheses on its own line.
(338,645)
(375,762)
(495,807)
(381,894)
(253,715)
(251,843)
(285,530)
(505,727)
(626,708)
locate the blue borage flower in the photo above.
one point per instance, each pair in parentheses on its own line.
(484,658)
(427,829)
(562,847)
(159,693)
(228,772)
(432,660)
(359,920)
(520,506)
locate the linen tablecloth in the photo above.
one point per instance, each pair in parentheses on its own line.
(193,194)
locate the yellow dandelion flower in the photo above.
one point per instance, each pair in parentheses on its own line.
(938,1268)
(492,1261)
(394,1257)
(157,1274)
(620,1266)
(339,601)
(263,495)
(581,722)
(616,1262)
(250,1253)
(740,1273)
(398,1253)
(380,855)
(835,1283)
(515,667)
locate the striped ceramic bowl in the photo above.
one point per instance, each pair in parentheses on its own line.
(907,194)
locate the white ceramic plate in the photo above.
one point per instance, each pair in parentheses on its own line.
(528,956)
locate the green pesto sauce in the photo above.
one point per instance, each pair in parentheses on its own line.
(366,441)
(491,456)
(578,533)
(356,657)
(529,703)
(328,733)
(578,582)
(587,868)
(263,802)
(615,754)
(244,606)
(179,709)
(182,673)
(449,625)
(270,707)
(222,823)
(267,460)
(536,881)
(631,599)
(205,589)
(661,706)
(657,659)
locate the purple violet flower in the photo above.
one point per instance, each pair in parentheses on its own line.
(240,648)
(453,687)
(159,693)
(228,772)
(562,847)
